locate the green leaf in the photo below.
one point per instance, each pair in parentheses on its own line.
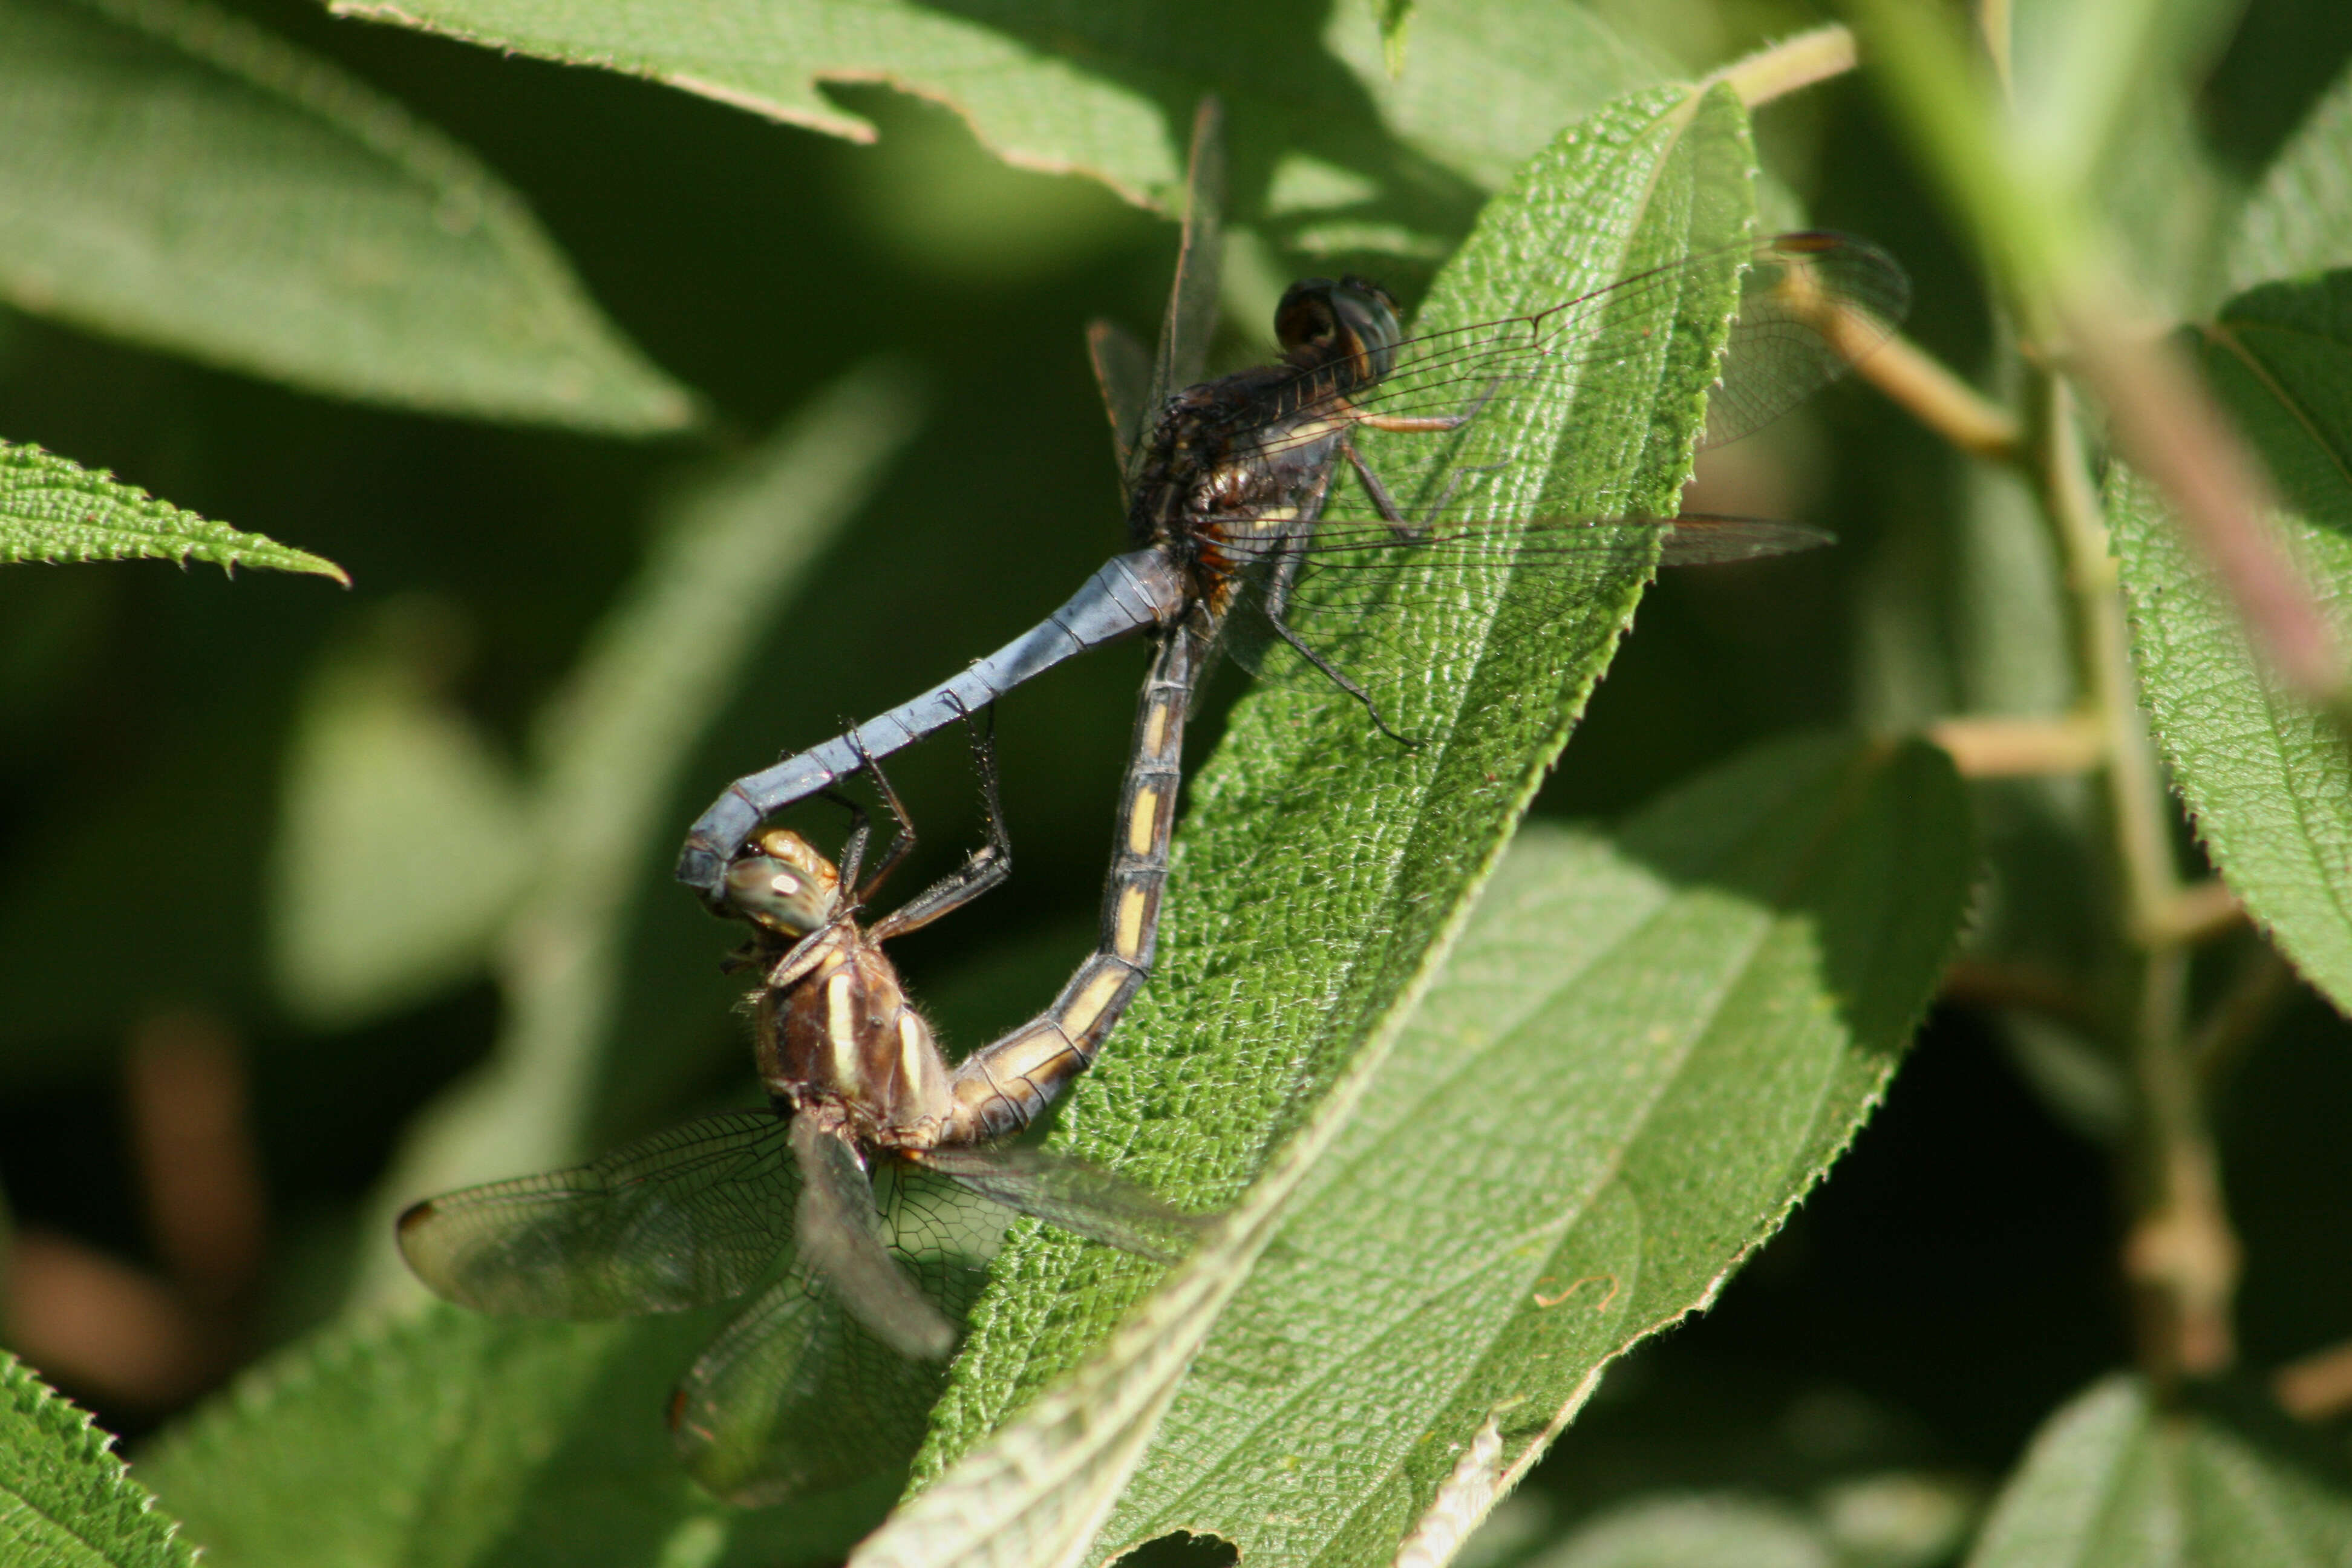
(1645,1048)
(55,509)
(2299,219)
(1109,90)
(2114,1481)
(175,176)
(2168,201)
(470,1442)
(65,1501)
(2266,776)
(2090,78)
(1323,866)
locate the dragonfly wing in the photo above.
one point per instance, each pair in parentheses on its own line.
(1694,540)
(1078,1197)
(690,1216)
(840,1237)
(1364,597)
(1190,324)
(1354,563)
(794,1397)
(1123,372)
(1811,305)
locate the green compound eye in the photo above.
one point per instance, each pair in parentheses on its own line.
(785,885)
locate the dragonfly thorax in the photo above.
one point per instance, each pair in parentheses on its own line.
(1251,454)
(843,1039)
(834,1033)
(1228,460)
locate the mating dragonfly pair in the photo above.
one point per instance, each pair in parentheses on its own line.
(847,1213)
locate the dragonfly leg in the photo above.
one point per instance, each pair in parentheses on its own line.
(1337,676)
(902,835)
(1382,502)
(1430,424)
(1405,528)
(853,849)
(982,869)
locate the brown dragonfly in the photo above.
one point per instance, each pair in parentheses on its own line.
(857,1212)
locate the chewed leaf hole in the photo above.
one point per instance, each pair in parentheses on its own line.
(1180,1550)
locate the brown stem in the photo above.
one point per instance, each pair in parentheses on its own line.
(1997,746)
(1933,394)
(1976,982)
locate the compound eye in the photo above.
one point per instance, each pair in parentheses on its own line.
(784,887)
(1350,322)
(1305,319)
(1367,319)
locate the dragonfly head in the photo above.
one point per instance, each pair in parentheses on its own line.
(1352,322)
(783,884)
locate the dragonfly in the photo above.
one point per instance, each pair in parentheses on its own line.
(855,1216)
(1229,483)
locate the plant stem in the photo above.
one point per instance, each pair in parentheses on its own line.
(2135,792)
(2181,1256)
(2002,746)
(1783,67)
(1931,394)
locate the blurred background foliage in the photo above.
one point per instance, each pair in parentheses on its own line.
(222,975)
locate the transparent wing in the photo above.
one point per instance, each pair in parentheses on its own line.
(1355,544)
(1190,324)
(691,1216)
(795,1395)
(1123,374)
(1389,615)
(1078,1197)
(840,1236)
(1812,304)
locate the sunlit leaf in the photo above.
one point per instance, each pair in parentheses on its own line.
(54,509)
(1323,864)
(1644,1049)
(2115,1480)
(2267,777)
(175,176)
(1109,89)
(65,1499)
